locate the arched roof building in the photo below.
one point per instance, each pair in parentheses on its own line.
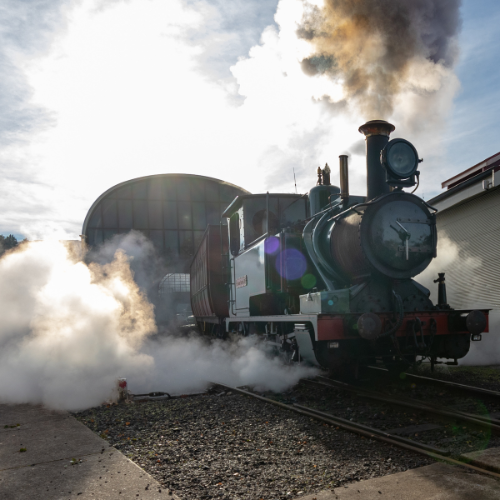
(172,210)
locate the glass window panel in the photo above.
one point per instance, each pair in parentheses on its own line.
(183,190)
(125,220)
(94,237)
(170,215)
(155,215)
(108,234)
(228,193)
(123,193)
(140,214)
(157,238)
(170,188)
(109,213)
(199,216)
(212,191)
(186,243)
(155,188)
(140,190)
(95,218)
(145,232)
(197,236)
(172,243)
(213,213)
(198,190)
(185,219)
(174,282)
(98,236)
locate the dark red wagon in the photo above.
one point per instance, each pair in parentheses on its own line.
(209,280)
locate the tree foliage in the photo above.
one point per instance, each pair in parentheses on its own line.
(7,243)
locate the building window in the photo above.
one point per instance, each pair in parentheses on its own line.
(174,283)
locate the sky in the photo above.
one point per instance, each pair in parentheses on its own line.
(96,92)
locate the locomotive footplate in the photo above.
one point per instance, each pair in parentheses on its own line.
(337,327)
(423,323)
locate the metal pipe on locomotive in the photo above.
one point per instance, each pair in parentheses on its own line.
(327,278)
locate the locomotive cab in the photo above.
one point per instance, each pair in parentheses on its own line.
(263,277)
(253,217)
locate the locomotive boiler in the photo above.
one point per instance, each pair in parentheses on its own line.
(327,278)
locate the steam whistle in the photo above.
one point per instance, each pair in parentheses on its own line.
(320,177)
(442,300)
(326,175)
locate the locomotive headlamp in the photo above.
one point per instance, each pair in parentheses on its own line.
(400,159)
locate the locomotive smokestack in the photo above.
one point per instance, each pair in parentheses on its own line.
(377,136)
(344,177)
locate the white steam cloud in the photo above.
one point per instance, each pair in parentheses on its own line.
(69,330)
(450,258)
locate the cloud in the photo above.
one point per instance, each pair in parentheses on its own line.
(27,29)
(128,101)
(472,134)
(227,32)
(129,88)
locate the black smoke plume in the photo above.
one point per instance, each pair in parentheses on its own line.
(369,45)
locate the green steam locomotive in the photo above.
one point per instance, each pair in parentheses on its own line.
(327,278)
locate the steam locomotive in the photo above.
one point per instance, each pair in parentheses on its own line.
(326,278)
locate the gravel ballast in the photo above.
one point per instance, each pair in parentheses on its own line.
(226,445)
(450,434)
(487,377)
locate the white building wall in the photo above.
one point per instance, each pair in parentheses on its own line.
(469,254)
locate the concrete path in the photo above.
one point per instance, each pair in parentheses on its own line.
(433,482)
(488,459)
(54,441)
(66,460)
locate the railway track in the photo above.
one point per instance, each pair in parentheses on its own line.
(478,420)
(376,434)
(442,383)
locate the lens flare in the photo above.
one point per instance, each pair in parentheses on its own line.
(308,281)
(272,245)
(291,264)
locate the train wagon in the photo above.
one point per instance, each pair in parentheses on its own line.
(209,281)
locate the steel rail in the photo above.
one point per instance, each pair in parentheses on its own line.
(455,385)
(371,433)
(479,420)
(403,400)
(337,383)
